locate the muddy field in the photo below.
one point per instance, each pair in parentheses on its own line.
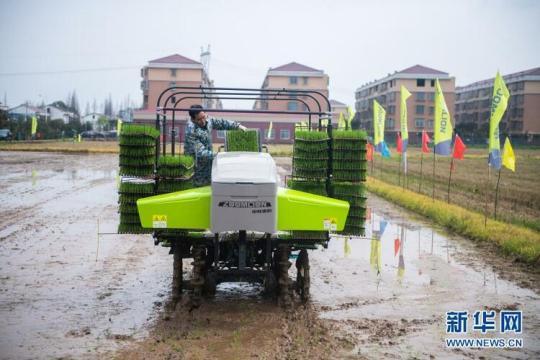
(67,293)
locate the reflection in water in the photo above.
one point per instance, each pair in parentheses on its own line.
(346,247)
(401,245)
(34,178)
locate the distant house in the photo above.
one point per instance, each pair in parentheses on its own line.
(26,110)
(92,118)
(55,113)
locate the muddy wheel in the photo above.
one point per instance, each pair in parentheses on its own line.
(283,280)
(210,284)
(197,279)
(270,283)
(302,275)
(177,273)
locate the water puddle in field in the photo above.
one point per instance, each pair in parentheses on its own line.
(387,291)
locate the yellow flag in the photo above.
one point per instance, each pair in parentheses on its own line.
(269,135)
(508,158)
(34,126)
(341,121)
(405,94)
(79,138)
(443,126)
(499,103)
(118,126)
(379,115)
(351,114)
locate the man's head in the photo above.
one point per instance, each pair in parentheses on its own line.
(197,115)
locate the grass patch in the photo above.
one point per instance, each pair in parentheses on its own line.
(513,240)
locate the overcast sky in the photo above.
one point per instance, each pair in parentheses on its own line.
(49,48)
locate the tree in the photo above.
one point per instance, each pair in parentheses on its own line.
(74,103)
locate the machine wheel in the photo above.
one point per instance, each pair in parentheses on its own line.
(210,284)
(302,275)
(177,273)
(284,282)
(270,283)
(197,280)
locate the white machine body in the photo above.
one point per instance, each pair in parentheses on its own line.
(244,192)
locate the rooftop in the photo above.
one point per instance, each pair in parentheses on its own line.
(175,59)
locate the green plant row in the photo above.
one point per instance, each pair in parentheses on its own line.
(353,230)
(128,208)
(338,155)
(137,141)
(311,174)
(132,229)
(168,186)
(350,146)
(310,164)
(143,188)
(308,235)
(312,187)
(358,135)
(310,136)
(129,199)
(348,188)
(513,240)
(238,140)
(136,161)
(136,151)
(184,161)
(129,218)
(350,165)
(347,175)
(136,171)
(134,130)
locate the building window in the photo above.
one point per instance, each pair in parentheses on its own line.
(430,123)
(272,134)
(172,83)
(284,134)
(392,97)
(389,123)
(391,109)
(221,134)
(419,123)
(432,83)
(431,110)
(420,96)
(420,109)
(420,82)
(305,80)
(431,96)
(173,72)
(292,106)
(293,80)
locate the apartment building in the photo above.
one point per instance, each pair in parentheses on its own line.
(522,116)
(420,81)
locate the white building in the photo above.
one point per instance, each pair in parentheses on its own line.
(92,118)
(26,110)
(54,113)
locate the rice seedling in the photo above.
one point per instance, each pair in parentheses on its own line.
(168,186)
(129,218)
(312,187)
(136,151)
(136,130)
(139,161)
(349,175)
(140,171)
(133,229)
(309,235)
(181,166)
(237,140)
(136,141)
(136,187)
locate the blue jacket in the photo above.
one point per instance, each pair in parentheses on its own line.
(198,143)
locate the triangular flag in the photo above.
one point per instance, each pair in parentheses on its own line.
(369,152)
(442,133)
(396,246)
(399,143)
(499,102)
(508,158)
(425,141)
(459,148)
(385,152)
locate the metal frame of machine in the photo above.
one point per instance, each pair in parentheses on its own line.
(244,255)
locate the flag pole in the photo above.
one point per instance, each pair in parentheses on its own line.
(399,169)
(451,168)
(421,170)
(487,188)
(405,179)
(433,179)
(497,193)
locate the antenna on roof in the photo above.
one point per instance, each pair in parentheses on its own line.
(205,60)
